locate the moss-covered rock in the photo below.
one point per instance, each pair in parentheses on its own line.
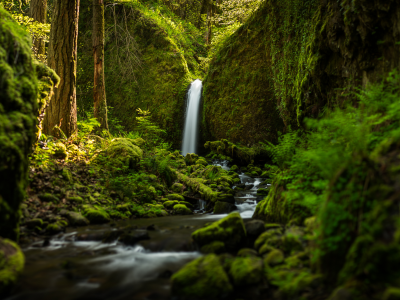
(202,278)
(201,161)
(170,204)
(12,262)
(34,223)
(176,197)
(47,197)
(246,270)
(222,207)
(60,151)
(177,187)
(229,230)
(76,219)
(216,247)
(237,151)
(95,214)
(274,257)
(18,112)
(121,153)
(181,209)
(56,227)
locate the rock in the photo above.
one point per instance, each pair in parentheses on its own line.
(216,247)
(170,204)
(246,271)
(201,161)
(229,230)
(181,209)
(175,197)
(191,158)
(264,249)
(254,228)
(134,236)
(202,278)
(223,207)
(187,204)
(293,239)
(75,199)
(177,187)
(234,168)
(60,151)
(226,198)
(267,236)
(343,293)
(95,214)
(12,262)
(76,219)
(247,252)
(138,142)
(275,257)
(56,227)
(34,223)
(262,192)
(47,197)
(122,153)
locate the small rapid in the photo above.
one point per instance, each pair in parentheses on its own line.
(191,127)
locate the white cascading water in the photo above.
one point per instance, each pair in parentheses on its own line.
(190,130)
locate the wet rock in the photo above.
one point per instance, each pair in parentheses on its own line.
(223,207)
(56,227)
(181,209)
(177,187)
(275,257)
(226,198)
(216,247)
(76,219)
(229,230)
(175,197)
(202,278)
(34,223)
(248,186)
(254,228)
(47,197)
(11,264)
(246,270)
(134,236)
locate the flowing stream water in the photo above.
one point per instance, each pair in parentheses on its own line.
(191,128)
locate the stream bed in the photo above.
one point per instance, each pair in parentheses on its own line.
(78,264)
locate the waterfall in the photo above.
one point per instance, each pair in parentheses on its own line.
(191,128)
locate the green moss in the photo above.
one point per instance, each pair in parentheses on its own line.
(18,112)
(60,151)
(202,278)
(170,204)
(196,185)
(175,197)
(229,230)
(216,247)
(222,207)
(56,227)
(181,209)
(275,257)
(121,153)
(12,262)
(235,150)
(95,214)
(391,294)
(246,271)
(177,188)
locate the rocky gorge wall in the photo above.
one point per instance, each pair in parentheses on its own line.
(294,58)
(150,60)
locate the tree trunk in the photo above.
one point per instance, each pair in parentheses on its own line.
(62,58)
(99,92)
(37,11)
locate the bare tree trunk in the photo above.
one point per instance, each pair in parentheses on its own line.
(62,58)
(37,11)
(99,92)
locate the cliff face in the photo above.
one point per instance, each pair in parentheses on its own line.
(150,60)
(292,59)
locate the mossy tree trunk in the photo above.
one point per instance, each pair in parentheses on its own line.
(37,11)
(99,92)
(62,58)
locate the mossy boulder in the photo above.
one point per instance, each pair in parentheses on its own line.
(177,187)
(95,214)
(12,262)
(221,207)
(262,192)
(175,197)
(201,161)
(60,151)
(202,278)
(191,159)
(216,247)
(47,197)
(75,199)
(170,204)
(181,209)
(229,230)
(121,153)
(18,112)
(56,227)
(274,257)
(246,271)
(77,219)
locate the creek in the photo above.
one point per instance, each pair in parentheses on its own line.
(78,265)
